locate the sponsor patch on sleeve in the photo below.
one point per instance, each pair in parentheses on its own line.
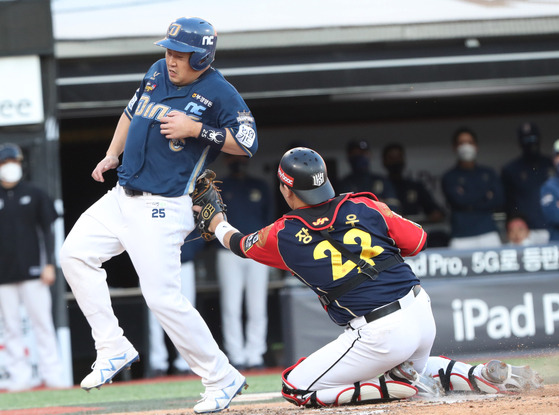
(246,135)
(250,240)
(133,100)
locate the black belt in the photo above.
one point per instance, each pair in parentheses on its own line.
(133,192)
(388,308)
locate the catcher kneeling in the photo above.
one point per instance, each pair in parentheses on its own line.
(348,249)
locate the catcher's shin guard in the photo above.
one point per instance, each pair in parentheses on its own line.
(375,390)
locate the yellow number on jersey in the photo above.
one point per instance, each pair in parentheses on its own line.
(339,268)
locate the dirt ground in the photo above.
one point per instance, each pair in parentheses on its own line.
(539,402)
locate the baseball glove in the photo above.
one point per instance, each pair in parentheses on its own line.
(207,195)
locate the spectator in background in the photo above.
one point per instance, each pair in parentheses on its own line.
(27,271)
(361,179)
(158,352)
(473,193)
(518,232)
(522,179)
(550,198)
(249,206)
(414,199)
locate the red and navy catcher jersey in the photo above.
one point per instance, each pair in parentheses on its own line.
(155,164)
(367,227)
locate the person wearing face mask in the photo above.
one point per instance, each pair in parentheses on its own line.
(415,200)
(522,179)
(473,193)
(549,198)
(249,204)
(26,272)
(361,179)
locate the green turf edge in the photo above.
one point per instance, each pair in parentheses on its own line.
(129,396)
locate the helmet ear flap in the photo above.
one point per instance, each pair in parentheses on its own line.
(200,60)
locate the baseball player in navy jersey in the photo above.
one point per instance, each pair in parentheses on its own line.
(179,120)
(348,249)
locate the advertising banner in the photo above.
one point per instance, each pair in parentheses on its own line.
(21,96)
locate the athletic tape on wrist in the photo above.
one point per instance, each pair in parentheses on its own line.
(222,229)
(215,137)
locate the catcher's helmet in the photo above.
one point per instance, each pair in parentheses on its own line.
(10,152)
(304,172)
(192,35)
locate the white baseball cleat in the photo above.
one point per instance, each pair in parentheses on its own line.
(511,378)
(426,385)
(218,400)
(104,370)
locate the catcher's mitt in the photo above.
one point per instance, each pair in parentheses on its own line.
(207,195)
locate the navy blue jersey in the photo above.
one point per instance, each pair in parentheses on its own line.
(155,164)
(366,227)
(550,206)
(26,235)
(522,180)
(473,196)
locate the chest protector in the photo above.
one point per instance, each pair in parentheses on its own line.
(320,218)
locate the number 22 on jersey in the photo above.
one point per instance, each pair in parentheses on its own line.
(339,268)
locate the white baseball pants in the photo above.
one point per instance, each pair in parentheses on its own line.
(36,298)
(369,350)
(241,277)
(158,353)
(151,229)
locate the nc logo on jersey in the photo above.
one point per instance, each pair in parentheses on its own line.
(318,179)
(195,109)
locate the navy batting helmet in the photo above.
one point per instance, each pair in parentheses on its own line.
(304,172)
(10,152)
(192,35)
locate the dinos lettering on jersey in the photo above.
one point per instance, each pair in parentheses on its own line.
(250,240)
(151,110)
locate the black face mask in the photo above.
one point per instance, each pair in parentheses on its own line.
(359,164)
(395,169)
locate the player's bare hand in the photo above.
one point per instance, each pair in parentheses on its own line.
(48,274)
(108,163)
(177,125)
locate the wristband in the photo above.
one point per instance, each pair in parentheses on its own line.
(222,229)
(215,137)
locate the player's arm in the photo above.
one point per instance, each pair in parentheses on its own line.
(116,148)
(177,125)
